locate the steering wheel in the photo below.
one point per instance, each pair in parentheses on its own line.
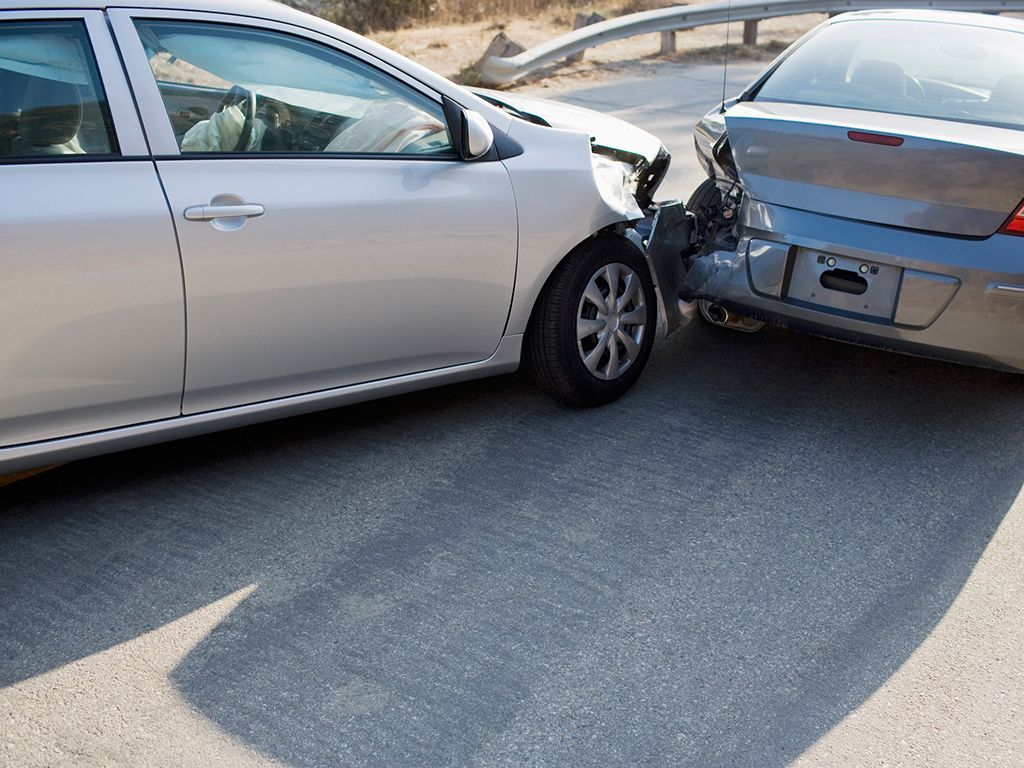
(239,95)
(915,90)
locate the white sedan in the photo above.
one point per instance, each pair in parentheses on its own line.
(220,212)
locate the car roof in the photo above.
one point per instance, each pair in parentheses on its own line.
(962,18)
(263,8)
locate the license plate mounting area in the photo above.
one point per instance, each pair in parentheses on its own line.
(843,285)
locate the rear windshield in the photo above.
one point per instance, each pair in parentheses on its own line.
(932,69)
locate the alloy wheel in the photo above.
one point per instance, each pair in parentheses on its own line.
(611,321)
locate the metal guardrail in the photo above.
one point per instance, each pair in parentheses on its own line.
(497,71)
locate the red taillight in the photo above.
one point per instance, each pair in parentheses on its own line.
(1015,224)
(876,138)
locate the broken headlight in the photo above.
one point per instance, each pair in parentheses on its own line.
(617,182)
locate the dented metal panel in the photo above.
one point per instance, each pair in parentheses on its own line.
(669,241)
(766,262)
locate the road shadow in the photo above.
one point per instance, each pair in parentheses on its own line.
(711,572)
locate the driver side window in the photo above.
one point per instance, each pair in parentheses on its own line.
(231,89)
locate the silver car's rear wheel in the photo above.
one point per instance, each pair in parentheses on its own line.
(611,321)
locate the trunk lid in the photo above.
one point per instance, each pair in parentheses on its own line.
(915,172)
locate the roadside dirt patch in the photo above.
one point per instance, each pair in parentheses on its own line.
(451,48)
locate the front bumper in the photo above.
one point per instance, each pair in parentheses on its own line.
(958,299)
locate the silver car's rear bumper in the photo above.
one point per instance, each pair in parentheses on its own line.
(959,299)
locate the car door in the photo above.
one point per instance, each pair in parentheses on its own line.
(91,302)
(329,233)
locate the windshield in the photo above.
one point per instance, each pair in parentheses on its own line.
(927,68)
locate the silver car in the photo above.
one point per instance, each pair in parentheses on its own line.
(219,212)
(868,185)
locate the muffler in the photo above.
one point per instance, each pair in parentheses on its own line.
(718,315)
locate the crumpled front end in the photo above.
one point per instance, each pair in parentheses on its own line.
(620,148)
(628,166)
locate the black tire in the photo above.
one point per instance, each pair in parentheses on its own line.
(706,195)
(556,354)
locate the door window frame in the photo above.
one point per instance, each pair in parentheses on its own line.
(158,128)
(124,117)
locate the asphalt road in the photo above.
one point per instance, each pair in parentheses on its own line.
(775,549)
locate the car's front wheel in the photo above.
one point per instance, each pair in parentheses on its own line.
(593,327)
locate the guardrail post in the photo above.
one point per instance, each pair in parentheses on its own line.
(501,46)
(582,20)
(668,42)
(750,32)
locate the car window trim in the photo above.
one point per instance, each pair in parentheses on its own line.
(128,133)
(143,81)
(93,157)
(414,156)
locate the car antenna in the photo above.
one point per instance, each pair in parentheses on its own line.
(725,68)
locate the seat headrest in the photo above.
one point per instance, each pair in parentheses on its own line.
(51,113)
(885,76)
(1008,92)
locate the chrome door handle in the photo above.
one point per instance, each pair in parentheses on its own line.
(213,212)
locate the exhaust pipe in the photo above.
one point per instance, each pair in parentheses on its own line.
(718,315)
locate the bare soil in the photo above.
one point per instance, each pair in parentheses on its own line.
(453,49)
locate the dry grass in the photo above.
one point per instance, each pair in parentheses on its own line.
(388,15)
(766,51)
(381,15)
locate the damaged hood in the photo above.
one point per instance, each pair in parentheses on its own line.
(609,135)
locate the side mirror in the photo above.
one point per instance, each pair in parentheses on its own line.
(471,134)
(477,136)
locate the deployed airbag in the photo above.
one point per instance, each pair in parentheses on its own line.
(389,126)
(221,132)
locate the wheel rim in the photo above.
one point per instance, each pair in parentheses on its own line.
(611,321)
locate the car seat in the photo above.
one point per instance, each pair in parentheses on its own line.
(1007,94)
(51,115)
(885,77)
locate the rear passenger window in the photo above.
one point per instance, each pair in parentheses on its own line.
(51,100)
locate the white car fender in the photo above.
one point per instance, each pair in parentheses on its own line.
(559,205)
